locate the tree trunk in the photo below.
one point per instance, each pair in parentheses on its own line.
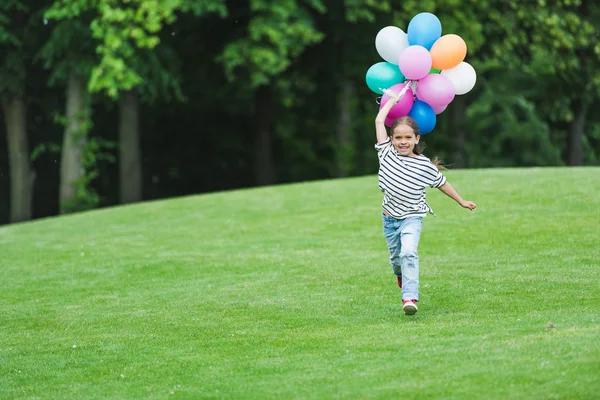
(130,162)
(576,132)
(263,148)
(343,146)
(458,118)
(580,109)
(21,173)
(71,168)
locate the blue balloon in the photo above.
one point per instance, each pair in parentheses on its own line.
(424,29)
(424,116)
(382,76)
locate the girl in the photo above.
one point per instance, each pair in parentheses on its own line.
(403,175)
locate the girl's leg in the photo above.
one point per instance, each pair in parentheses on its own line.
(409,257)
(391,231)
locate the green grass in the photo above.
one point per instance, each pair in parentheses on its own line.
(286,292)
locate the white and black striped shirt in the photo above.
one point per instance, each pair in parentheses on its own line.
(403,181)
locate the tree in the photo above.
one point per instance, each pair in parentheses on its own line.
(564,37)
(277,33)
(17,40)
(127,34)
(130,159)
(69,53)
(158,69)
(553,46)
(348,25)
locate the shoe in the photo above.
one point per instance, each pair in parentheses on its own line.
(409,307)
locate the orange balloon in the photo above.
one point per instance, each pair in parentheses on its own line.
(448,51)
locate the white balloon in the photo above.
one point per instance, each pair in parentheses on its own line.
(463,77)
(390,42)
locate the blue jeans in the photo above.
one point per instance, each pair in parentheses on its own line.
(402,237)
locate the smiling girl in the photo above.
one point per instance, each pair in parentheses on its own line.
(404,173)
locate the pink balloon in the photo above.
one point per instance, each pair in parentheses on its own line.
(435,90)
(402,107)
(389,121)
(415,62)
(439,109)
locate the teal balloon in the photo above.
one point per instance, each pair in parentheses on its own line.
(382,76)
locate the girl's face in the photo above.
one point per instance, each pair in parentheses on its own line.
(405,140)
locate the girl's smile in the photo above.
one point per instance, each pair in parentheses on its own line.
(404,140)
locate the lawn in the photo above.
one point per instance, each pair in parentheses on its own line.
(286,292)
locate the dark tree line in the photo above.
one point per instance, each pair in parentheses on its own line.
(106,104)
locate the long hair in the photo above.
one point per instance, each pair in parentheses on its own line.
(419,147)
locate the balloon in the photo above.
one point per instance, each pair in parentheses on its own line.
(448,51)
(424,29)
(403,106)
(382,76)
(389,121)
(434,71)
(435,90)
(463,77)
(424,116)
(439,109)
(415,62)
(390,42)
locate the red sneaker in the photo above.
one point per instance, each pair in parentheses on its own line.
(410,307)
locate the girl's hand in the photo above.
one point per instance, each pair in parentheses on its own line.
(468,204)
(394,97)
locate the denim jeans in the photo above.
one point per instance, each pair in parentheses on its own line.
(402,237)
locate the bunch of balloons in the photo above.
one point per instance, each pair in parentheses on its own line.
(431,65)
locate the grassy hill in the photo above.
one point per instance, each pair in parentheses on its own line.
(286,292)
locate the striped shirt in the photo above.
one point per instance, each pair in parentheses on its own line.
(403,181)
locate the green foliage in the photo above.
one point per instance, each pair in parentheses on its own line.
(536,62)
(365,10)
(94,149)
(20,37)
(278,32)
(12,73)
(555,44)
(86,197)
(591,145)
(44,148)
(521,138)
(69,48)
(121,29)
(159,69)
(7,35)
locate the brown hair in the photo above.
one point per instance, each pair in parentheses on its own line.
(419,147)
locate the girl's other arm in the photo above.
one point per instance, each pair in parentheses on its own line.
(447,189)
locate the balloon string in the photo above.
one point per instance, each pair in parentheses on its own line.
(387,91)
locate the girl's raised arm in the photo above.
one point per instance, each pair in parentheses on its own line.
(382,115)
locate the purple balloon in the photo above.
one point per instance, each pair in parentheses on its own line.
(439,109)
(402,107)
(415,62)
(436,90)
